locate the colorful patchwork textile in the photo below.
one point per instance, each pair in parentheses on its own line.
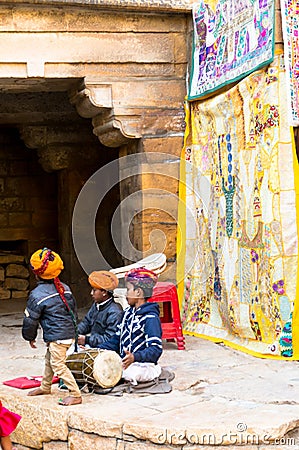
(232,38)
(239,245)
(290,28)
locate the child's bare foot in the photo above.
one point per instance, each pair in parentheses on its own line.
(68,401)
(38,391)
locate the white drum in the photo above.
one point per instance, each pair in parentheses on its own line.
(96,366)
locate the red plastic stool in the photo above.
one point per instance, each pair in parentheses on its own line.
(166,294)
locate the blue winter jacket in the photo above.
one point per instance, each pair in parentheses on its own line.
(140,333)
(45,307)
(101,322)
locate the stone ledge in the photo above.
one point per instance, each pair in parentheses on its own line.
(157,5)
(219,396)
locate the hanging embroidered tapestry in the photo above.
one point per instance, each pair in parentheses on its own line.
(239,255)
(290,28)
(232,38)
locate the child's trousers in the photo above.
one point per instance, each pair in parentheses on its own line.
(55,362)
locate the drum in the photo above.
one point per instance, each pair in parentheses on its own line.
(96,366)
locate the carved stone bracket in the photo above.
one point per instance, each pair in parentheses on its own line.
(115,123)
(115,130)
(91,98)
(60,148)
(94,100)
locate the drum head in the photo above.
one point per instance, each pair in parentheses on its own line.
(107,368)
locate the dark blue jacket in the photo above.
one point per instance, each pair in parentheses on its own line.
(45,307)
(140,333)
(100,322)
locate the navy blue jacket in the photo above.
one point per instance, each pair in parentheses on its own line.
(101,322)
(45,307)
(140,333)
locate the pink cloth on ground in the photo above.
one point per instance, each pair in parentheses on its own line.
(8,421)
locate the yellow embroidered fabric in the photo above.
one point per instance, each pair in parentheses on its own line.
(238,255)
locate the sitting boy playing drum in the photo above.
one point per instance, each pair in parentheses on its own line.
(139,337)
(100,323)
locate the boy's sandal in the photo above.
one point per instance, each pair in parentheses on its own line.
(69,401)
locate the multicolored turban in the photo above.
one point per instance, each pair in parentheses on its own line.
(103,279)
(46,264)
(142,277)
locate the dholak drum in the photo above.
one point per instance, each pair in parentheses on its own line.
(96,366)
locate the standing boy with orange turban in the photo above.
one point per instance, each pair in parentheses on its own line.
(139,337)
(52,305)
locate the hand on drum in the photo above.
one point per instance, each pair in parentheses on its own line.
(81,339)
(128,359)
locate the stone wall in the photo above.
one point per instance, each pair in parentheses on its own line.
(14,277)
(28,214)
(120,69)
(28,195)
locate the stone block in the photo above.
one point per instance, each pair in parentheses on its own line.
(2,273)
(18,168)
(159,238)
(180,48)
(16,283)
(3,167)
(22,186)
(41,220)
(125,23)
(102,71)
(84,47)
(21,218)
(3,220)
(38,203)
(167,202)
(4,294)
(25,19)
(161,175)
(42,420)
(154,215)
(96,424)
(83,441)
(17,270)
(6,18)
(10,259)
(169,145)
(147,93)
(19,294)
(11,204)
(169,274)
(55,446)
(161,182)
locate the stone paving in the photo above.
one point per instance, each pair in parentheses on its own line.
(221,398)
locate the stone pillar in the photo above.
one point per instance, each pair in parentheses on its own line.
(159,182)
(149,221)
(65,150)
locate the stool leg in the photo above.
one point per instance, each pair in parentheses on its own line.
(181,343)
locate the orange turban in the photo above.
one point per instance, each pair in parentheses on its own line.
(46,264)
(103,280)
